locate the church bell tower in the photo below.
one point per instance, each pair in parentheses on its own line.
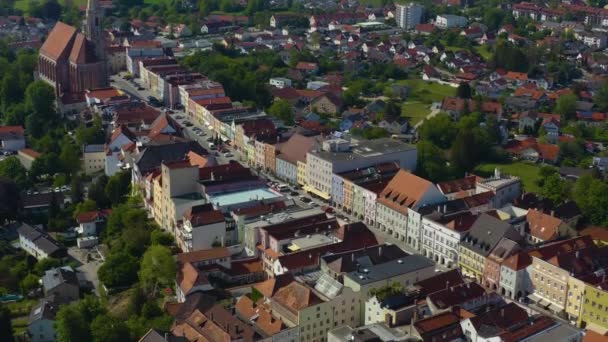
(93,31)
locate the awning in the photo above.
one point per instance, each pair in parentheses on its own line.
(319,193)
(555,308)
(535,298)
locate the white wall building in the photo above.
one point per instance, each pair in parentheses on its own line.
(446,21)
(409,15)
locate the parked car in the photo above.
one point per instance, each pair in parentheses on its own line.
(227,154)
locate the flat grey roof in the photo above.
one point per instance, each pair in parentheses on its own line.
(390,269)
(367,149)
(93,148)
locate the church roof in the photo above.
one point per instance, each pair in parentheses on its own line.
(58,40)
(82,51)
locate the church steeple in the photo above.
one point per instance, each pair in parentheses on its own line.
(93,30)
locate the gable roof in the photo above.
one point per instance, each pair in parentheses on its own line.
(296,297)
(439,282)
(458,185)
(518,261)
(203,255)
(153,155)
(82,51)
(58,41)
(294,150)
(189,277)
(404,191)
(542,226)
(456,295)
(41,239)
(486,233)
(270,286)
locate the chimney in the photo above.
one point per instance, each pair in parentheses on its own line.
(502,312)
(352,257)
(552,212)
(445,208)
(380,250)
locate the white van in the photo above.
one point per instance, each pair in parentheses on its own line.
(212,146)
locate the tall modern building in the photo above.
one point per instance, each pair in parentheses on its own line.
(409,15)
(73,61)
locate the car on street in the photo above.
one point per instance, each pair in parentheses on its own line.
(141,88)
(227,154)
(294,193)
(305,199)
(210,139)
(57,189)
(179,117)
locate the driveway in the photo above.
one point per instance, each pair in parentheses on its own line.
(89,264)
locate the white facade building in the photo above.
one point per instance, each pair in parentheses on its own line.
(409,15)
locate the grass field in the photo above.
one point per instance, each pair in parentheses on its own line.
(528,172)
(415,110)
(484,53)
(427,92)
(23,4)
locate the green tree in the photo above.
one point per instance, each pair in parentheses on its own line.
(29,283)
(73,320)
(566,106)
(117,187)
(97,192)
(69,157)
(464,90)
(40,102)
(554,188)
(46,264)
(12,169)
(590,195)
(119,270)
(283,110)
(158,237)
(85,206)
(10,201)
(107,328)
(6,327)
(465,152)
(601,97)
(157,268)
(493,18)
(431,163)
(439,130)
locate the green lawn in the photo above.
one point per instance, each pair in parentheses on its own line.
(415,110)
(483,52)
(427,92)
(19,325)
(450,48)
(528,172)
(23,4)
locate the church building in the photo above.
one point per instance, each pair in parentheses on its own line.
(72,61)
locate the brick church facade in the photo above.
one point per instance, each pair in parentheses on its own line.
(73,61)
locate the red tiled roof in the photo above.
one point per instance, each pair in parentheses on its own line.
(14,130)
(457,185)
(103,93)
(404,191)
(518,261)
(58,40)
(306,66)
(456,295)
(296,297)
(439,321)
(202,215)
(29,152)
(542,226)
(519,76)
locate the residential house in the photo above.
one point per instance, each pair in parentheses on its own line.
(339,155)
(468,296)
(41,321)
(398,203)
(531,149)
(61,283)
(447,21)
(27,156)
(94,158)
(442,233)
(542,228)
(485,234)
(291,160)
(202,227)
(38,244)
(12,138)
(90,222)
(514,279)
(492,268)
(444,326)
(326,104)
